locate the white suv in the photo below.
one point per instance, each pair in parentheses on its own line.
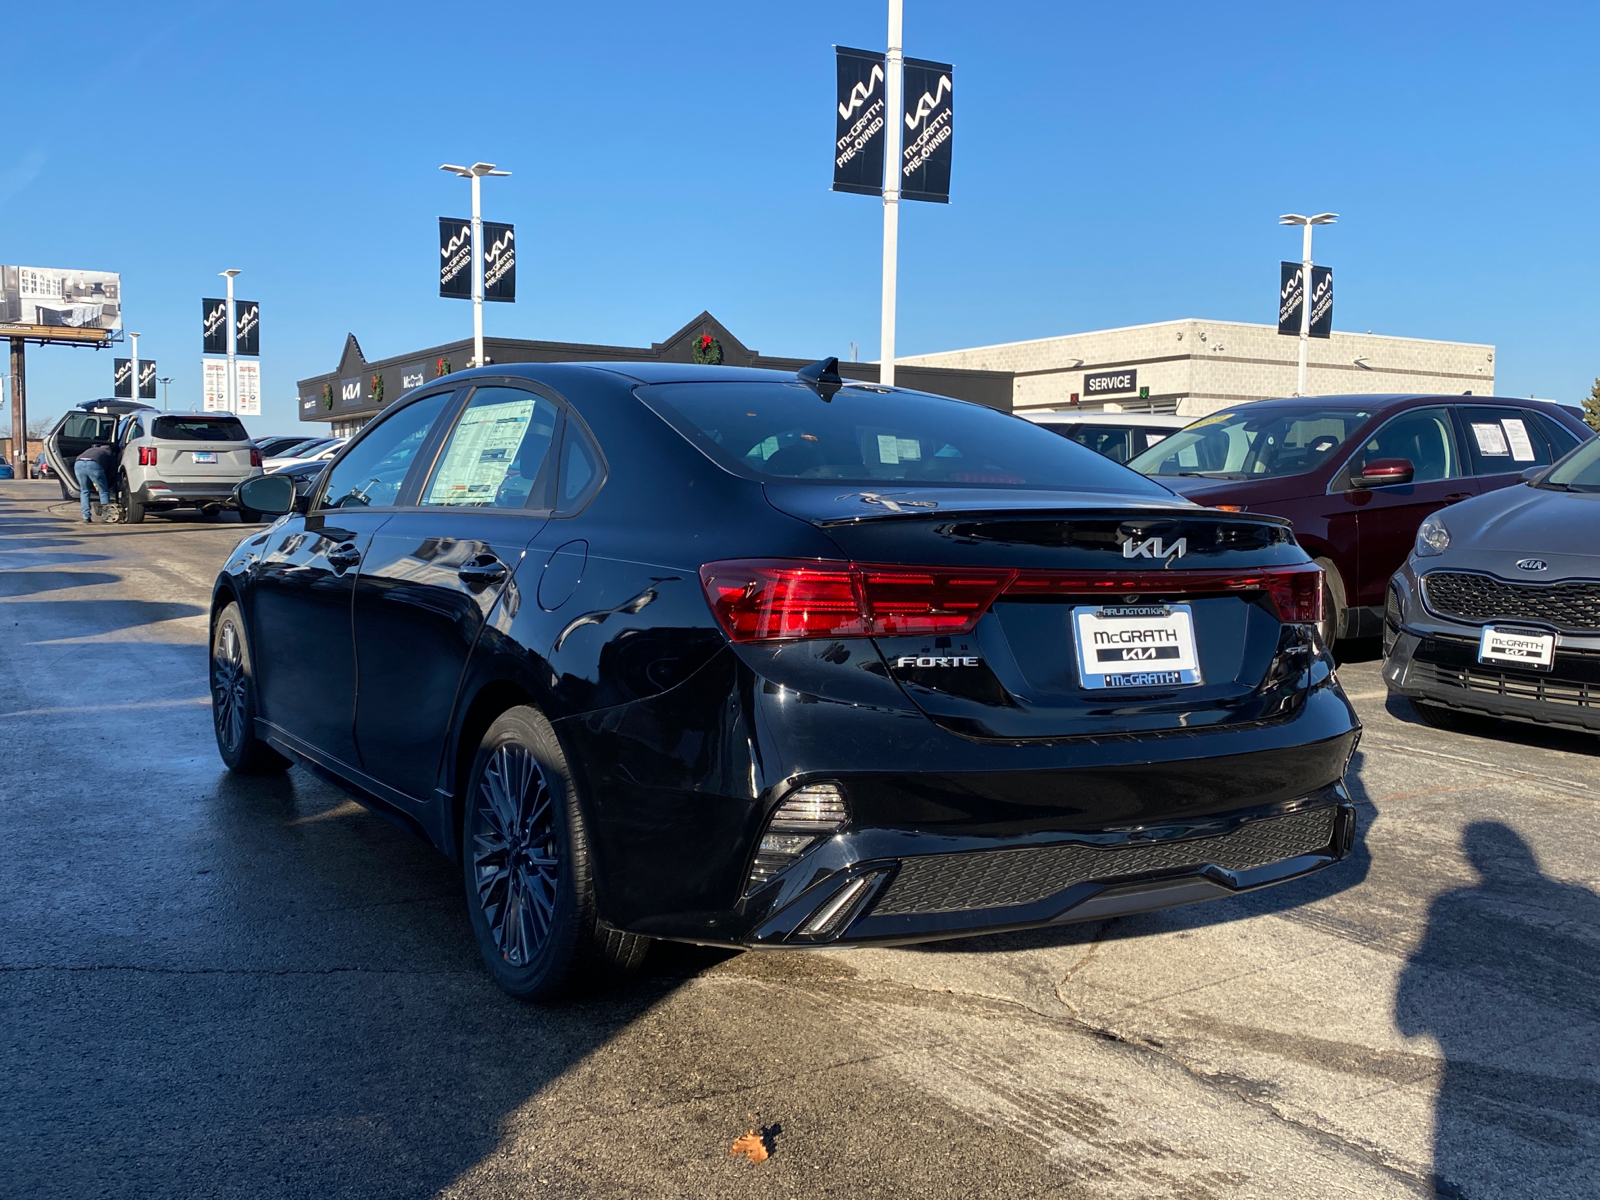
(167,460)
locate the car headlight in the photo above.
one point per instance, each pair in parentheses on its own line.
(1432,537)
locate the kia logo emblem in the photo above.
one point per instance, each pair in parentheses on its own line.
(1532,564)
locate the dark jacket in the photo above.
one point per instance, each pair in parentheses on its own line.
(98,453)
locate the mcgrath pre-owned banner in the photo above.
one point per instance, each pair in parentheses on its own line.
(147,379)
(1291,295)
(247,327)
(1321,301)
(858,131)
(122,378)
(929,127)
(455,258)
(499,263)
(214,326)
(58,303)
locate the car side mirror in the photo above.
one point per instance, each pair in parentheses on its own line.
(1533,474)
(270,494)
(1380,472)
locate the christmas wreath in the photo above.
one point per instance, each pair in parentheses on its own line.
(327,395)
(707,351)
(377,389)
(441,368)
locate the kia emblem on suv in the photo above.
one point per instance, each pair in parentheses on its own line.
(1532,564)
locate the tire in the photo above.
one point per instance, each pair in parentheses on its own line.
(132,509)
(527,870)
(233,700)
(66,494)
(1441,717)
(1332,602)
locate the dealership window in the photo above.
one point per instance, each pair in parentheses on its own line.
(496,451)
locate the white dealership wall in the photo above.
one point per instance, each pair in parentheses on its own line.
(1194,367)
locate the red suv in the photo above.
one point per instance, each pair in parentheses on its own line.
(1357,474)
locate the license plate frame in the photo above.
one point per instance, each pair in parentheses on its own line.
(1509,646)
(207,457)
(1154,642)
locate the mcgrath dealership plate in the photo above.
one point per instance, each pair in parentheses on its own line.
(1135,645)
(1517,647)
(205,456)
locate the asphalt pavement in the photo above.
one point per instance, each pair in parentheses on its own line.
(213,986)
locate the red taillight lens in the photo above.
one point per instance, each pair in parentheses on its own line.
(147,456)
(1297,592)
(771,599)
(255,457)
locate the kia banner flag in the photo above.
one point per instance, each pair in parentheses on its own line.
(858,129)
(147,379)
(925,140)
(1291,295)
(214,326)
(122,378)
(499,262)
(455,258)
(1321,302)
(247,327)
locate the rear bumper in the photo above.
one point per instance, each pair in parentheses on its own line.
(188,493)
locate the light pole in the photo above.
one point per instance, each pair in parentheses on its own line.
(475,173)
(1305,281)
(133,381)
(895,60)
(233,329)
(163,383)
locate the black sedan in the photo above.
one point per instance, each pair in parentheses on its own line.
(754,659)
(1497,611)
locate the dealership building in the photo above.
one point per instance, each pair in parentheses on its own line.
(350,396)
(1193,367)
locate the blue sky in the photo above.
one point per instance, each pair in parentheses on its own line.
(1114,164)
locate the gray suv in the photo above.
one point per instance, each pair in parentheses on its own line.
(168,460)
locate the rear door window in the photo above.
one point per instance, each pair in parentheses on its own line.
(496,454)
(582,471)
(1503,441)
(199,429)
(88,427)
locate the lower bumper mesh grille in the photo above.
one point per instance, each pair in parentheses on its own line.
(1003,878)
(1544,690)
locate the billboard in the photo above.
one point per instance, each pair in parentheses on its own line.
(214,326)
(499,262)
(247,327)
(858,127)
(929,103)
(455,258)
(57,302)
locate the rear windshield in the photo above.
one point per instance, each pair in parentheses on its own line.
(1251,443)
(859,436)
(199,429)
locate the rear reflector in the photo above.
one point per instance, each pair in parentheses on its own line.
(758,600)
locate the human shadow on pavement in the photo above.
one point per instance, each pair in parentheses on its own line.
(31,583)
(1505,981)
(92,618)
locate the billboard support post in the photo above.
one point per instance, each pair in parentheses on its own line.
(891,194)
(233,345)
(476,172)
(19,406)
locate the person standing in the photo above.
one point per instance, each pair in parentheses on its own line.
(90,467)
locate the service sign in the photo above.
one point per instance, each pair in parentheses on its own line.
(59,303)
(1321,302)
(213,326)
(122,378)
(1291,295)
(499,262)
(247,327)
(858,130)
(929,126)
(455,258)
(1111,383)
(147,379)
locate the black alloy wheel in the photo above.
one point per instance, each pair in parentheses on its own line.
(132,508)
(526,865)
(233,701)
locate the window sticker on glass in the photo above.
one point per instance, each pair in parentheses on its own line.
(893,450)
(482,448)
(1150,439)
(1491,440)
(1517,435)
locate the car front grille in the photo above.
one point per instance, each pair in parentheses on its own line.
(1544,690)
(1573,606)
(1005,878)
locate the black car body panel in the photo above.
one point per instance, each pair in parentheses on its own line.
(382,657)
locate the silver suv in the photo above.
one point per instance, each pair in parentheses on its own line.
(170,460)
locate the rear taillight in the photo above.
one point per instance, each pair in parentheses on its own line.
(255,457)
(772,599)
(759,600)
(147,456)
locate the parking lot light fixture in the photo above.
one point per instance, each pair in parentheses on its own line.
(475,173)
(233,328)
(1305,281)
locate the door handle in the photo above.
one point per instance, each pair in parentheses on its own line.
(483,571)
(1455,497)
(344,556)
